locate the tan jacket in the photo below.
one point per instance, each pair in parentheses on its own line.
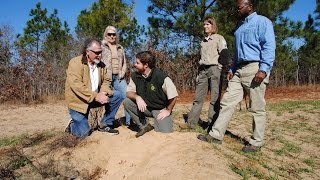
(106,59)
(78,93)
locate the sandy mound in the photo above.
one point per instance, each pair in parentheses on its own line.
(152,156)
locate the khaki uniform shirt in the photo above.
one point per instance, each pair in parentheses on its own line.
(211,47)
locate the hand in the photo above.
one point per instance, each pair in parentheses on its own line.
(259,77)
(163,114)
(229,76)
(142,106)
(102,98)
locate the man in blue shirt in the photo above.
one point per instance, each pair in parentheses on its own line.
(253,60)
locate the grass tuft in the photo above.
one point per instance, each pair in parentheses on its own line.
(290,106)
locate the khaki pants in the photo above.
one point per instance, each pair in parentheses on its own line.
(140,118)
(209,77)
(242,81)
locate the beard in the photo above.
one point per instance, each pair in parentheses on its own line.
(96,61)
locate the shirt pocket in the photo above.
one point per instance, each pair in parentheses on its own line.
(249,35)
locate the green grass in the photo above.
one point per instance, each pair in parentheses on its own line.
(18,162)
(243,173)
(273,178)
(200,130)
(301,126)
(294,124)
(256,173)
(310,162)
(288,147)
(247,172)
(26,140)
(305,170)
(290,106)
(12,141)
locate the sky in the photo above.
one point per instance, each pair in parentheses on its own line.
(16,12)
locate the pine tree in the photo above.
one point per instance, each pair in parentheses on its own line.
(34,32)
(92,22)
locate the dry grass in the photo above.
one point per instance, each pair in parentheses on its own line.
(292,142)
(33,157)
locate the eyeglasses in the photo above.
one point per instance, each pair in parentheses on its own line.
(241,7)
(111,34)
(96,52)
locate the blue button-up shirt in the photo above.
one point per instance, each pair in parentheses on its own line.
(255,41)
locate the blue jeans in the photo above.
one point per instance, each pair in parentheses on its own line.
(79,125)
(121,85)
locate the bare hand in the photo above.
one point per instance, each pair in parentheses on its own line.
(259,77)
(102,98)
(229,76)
(142,106)
(163,114)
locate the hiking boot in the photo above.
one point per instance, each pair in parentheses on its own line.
(109,130)
(250,148)
(144,130)
(209,139)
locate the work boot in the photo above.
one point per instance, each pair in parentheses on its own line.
(144,130)
(250,148)
(209,139)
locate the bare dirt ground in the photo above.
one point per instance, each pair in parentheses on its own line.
(178,155)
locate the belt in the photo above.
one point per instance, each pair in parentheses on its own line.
(244,63)
(202,66)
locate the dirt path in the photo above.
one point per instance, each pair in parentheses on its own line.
(16,120)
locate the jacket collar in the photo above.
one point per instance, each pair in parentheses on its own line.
(105,43)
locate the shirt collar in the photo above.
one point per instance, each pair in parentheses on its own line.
(248,18)
(209,37)
(92,66)
(147,75)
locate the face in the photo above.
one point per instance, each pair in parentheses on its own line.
(111,36)
(244,8)
(139,66)
(94,53)
(208,28)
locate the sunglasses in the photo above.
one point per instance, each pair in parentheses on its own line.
(96,52)
(111,34)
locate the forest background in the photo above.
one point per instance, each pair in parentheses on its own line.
(33,63)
